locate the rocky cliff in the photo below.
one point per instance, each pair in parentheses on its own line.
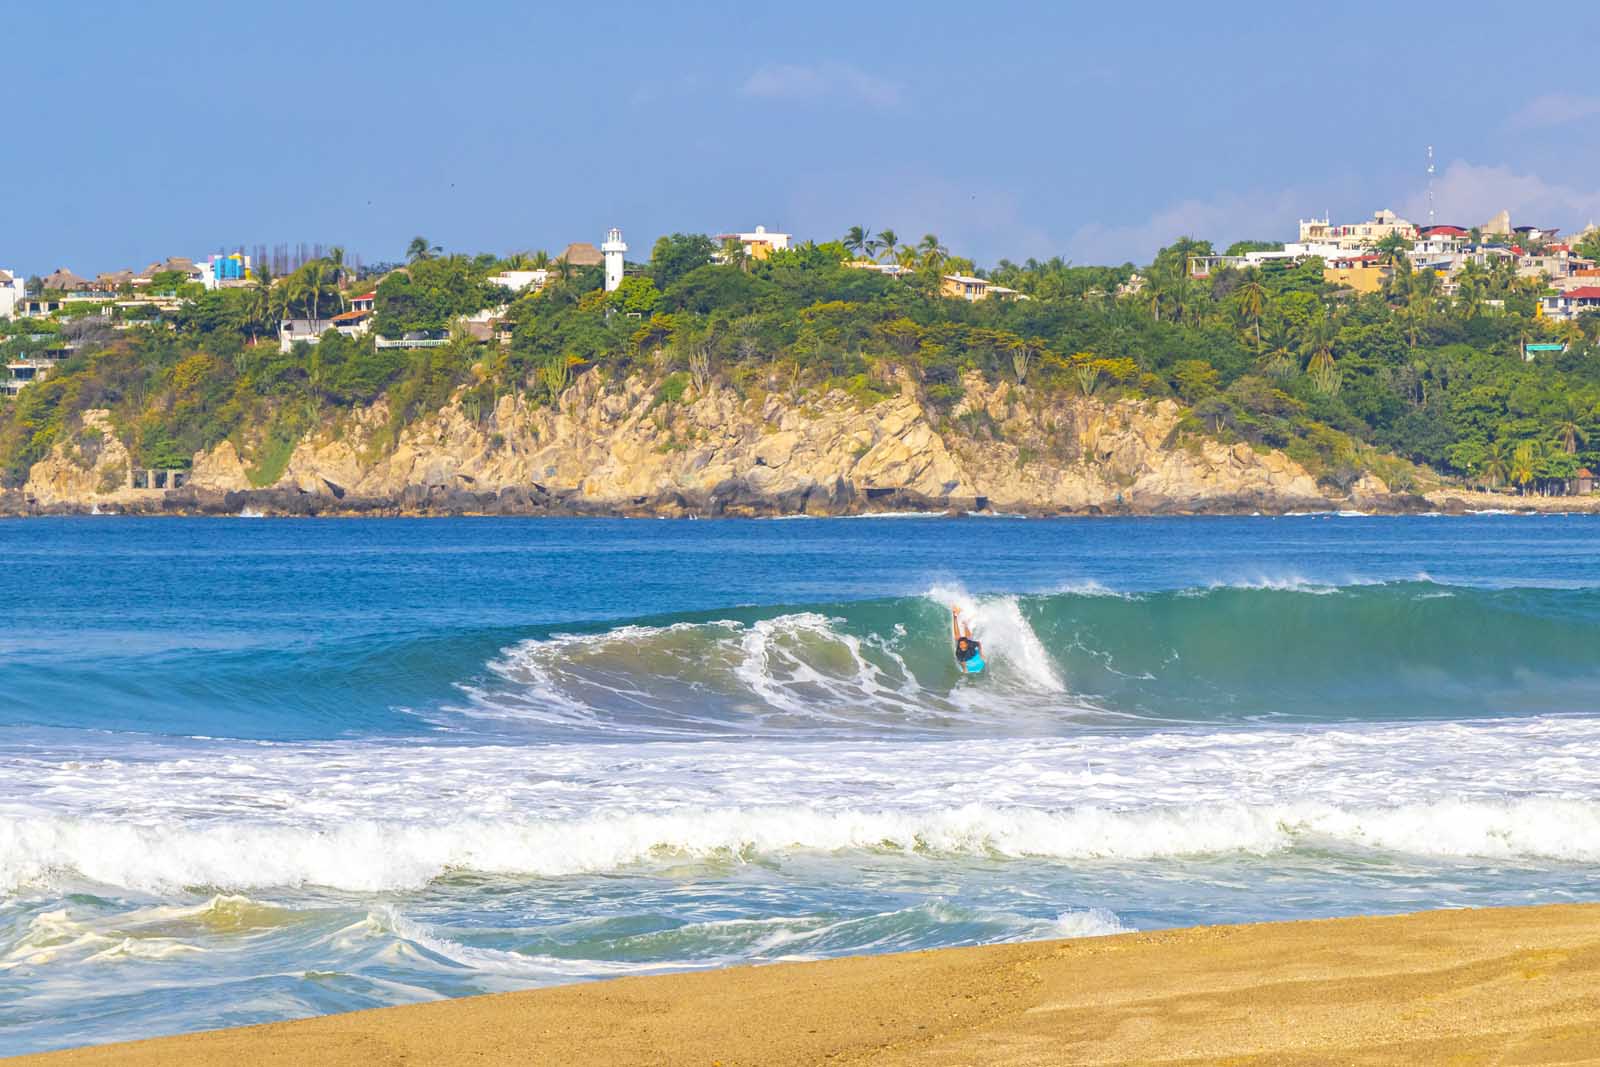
(623,447)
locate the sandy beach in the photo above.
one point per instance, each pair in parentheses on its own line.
(1495,986)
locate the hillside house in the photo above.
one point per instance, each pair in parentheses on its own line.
(964,287)
(1565,306)
(758,243)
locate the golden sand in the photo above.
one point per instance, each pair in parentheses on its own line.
(1503,987)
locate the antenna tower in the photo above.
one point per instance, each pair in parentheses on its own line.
(1430,185)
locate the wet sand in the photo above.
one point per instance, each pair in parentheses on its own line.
(1503,986)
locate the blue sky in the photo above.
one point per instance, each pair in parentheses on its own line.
(1094,132)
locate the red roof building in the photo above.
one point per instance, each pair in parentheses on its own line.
(1570,304)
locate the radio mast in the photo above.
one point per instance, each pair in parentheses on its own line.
(1430,185)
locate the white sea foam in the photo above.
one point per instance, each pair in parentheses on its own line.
(372,856)
(1010,645)
(376,816)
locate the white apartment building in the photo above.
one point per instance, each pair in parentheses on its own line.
(11,293)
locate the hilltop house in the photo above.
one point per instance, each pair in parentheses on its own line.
(758,243)
(583,254)
(65,281)
(521,280)
(888,270)
(225,271)
(1356,235)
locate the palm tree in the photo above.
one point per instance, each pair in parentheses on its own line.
(419,248)
(1470,285)
(258,304)
(1497,468)
(336,265)
(1322,367)
(1569,432)
(857,239)
(1280,364)
(316,281)
(906,256)
(1324,370)
(1525,463)
(933,253)
(1425,287)
(1253,301)
(735,254)
(563,269)
(886,241)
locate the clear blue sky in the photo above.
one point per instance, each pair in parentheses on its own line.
(1094,132)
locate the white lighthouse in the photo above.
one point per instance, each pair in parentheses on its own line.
(613,249)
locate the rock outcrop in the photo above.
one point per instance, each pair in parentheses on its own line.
(620,447)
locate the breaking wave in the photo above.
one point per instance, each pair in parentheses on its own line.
(376,856)
(1283,649)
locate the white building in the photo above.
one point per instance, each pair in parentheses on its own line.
(1565,306)
(11,293)
(224,271)
(758,243)
(519,280)
(350,323)
(1356,235)
(614,249)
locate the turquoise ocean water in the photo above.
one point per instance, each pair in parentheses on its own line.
(255,770)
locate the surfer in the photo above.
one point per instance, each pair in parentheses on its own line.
(969,652)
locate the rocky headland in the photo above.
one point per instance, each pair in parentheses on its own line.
(619,447)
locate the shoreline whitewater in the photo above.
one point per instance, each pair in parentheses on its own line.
(1497,985)
(738,503)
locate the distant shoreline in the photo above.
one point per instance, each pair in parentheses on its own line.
(276,503)
(1512,985)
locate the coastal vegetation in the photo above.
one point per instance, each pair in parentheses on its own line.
(1276,356)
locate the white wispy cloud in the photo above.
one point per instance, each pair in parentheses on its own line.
(794,81)
(1468,194)
(1221,220)
(1555,109)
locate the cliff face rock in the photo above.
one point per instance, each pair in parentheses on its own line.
(619,447)
(83,468)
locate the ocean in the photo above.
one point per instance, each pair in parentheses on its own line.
(263,769)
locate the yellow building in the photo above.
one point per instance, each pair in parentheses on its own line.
(1358,274)
(758,243)
(964,287)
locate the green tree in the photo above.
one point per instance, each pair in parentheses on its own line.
(1569,429)
(420,249)
(857,240)
(1252,297)
(887,240)
(1195,379)
(676,255)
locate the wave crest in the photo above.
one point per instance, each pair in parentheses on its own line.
(375,856)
